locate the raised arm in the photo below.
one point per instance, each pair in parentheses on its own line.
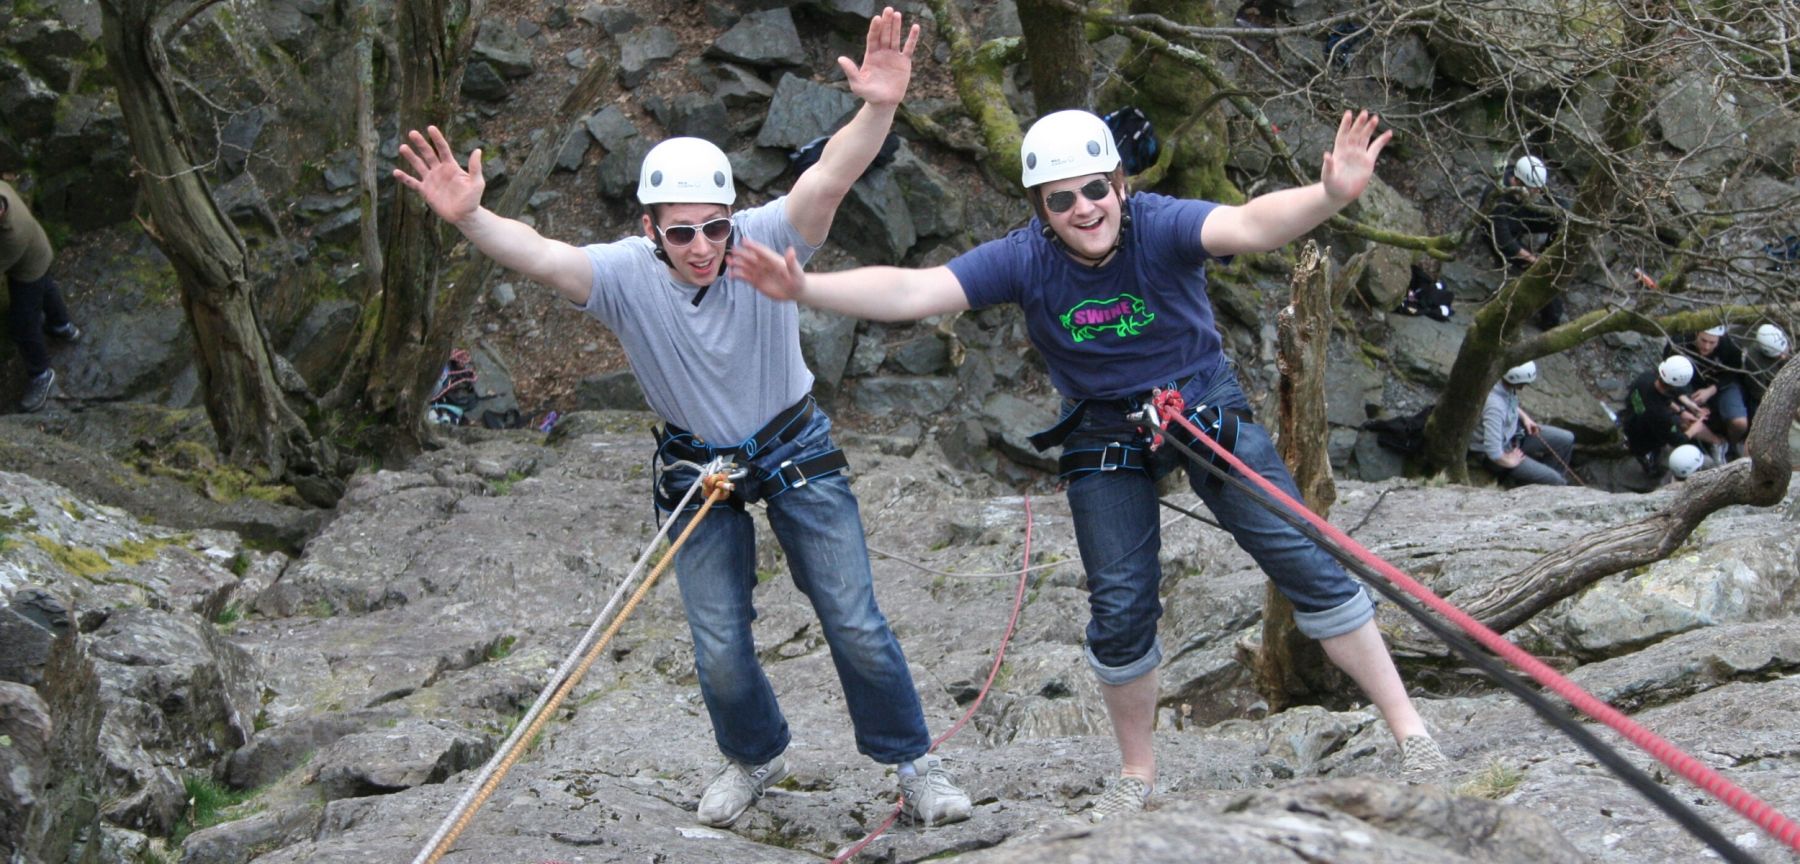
(877,293)
(880,81)
(455,196)
(1273,220)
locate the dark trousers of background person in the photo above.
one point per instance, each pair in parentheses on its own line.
(36,306)
(1550,443)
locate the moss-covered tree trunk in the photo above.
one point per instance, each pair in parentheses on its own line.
(416,315)
(257,405)
(1182,108)
(1056,48)
(1292,669)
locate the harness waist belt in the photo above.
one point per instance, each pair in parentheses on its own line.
(794,415)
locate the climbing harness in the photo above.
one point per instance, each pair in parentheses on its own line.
(1012,625)
(680,446)
(717,483)
(1409,595)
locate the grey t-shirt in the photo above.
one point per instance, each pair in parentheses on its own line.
(720,370)
(1499,423)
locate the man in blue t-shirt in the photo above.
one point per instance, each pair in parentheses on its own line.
(1113,287)
(721,365)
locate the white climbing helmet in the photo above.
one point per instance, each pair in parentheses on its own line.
(1719,331)
(1524,373)
(1771,340)
(1676,371)
(1531,171)
(1685,460)
(686,171)
(1066,144)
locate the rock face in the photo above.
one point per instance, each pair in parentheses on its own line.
(353,689)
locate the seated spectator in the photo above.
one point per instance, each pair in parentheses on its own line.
(1761,364)
(1523,221)
(1658,414)
(1717,364)
(1516,446)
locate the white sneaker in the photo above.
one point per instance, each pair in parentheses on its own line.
(931,796)
(735,788)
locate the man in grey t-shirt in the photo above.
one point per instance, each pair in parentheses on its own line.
(1517,447)
(720,363)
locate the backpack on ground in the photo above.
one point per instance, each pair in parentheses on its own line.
(1404,435)
(1427,296)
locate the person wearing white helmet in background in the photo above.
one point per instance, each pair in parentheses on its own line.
(1685,461)
(1658,414)
(1522,221)
(1761,362)
(1112,285)
(721,365)
(1515,446)
(1717,386)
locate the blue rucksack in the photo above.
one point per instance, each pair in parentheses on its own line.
(1135,139)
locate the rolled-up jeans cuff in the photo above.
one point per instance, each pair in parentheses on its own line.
(1338,620)
(1116,675)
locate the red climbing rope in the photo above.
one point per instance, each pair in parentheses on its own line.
(1696,772)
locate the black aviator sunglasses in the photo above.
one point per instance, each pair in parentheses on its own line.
(715,230)
(1062,202)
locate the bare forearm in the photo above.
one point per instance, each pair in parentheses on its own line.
(1273,220)
(819,191)
(520,248)
(883,293)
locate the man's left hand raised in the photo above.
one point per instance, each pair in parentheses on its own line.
(887,63)
(1347,168)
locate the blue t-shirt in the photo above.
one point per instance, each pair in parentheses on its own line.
(1139,321)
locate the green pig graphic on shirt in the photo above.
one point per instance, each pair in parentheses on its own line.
(1124,315)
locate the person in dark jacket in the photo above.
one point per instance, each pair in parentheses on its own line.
(1523,221)
(37,303)
(1718,366)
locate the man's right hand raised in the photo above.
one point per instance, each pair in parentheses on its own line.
(452,193)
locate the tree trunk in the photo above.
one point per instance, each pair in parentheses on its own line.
(1184,109)
(1291,668)
(1761,481)
(978,72)
(1061,62)
(246,384)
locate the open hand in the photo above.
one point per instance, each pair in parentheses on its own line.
(887,64)
(777,277)
(452,193)
(1350,163)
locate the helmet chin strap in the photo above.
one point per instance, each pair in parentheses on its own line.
(1095,260)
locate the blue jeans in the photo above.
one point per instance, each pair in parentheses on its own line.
(1118,529)
(820,529)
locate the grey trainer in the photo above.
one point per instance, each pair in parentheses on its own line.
(68,332)
(735,788)
(37,392)
(931,796)
(1124,795)
(1420,758)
